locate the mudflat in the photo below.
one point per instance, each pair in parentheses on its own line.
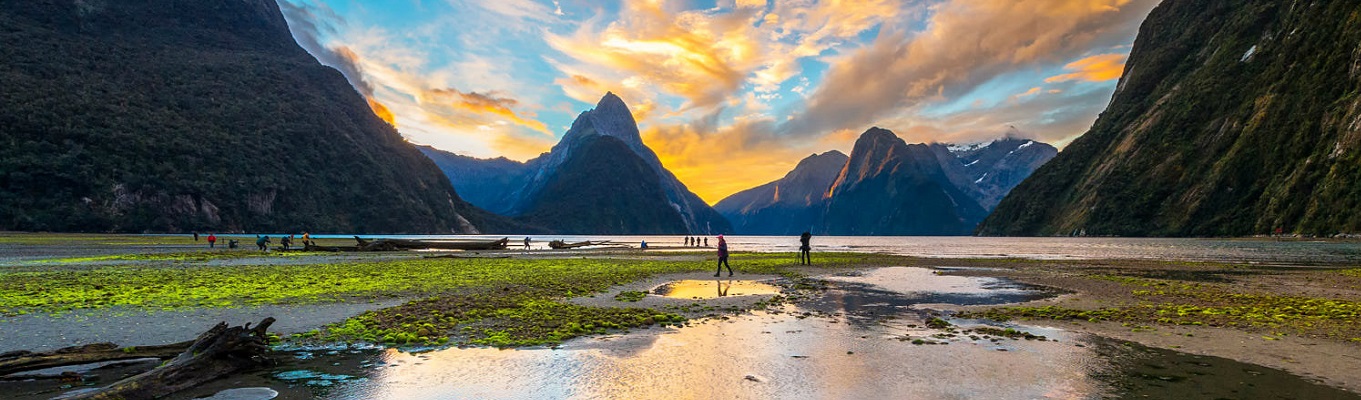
(62,290)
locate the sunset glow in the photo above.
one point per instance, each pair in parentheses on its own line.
(730,94)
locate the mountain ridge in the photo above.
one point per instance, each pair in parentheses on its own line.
(514,189)
(1231,119)
(896,188)
(177,115)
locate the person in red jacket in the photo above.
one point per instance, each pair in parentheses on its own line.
(722,256)
(212,239)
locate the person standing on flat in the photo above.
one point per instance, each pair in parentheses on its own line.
(804,248)
(722,256)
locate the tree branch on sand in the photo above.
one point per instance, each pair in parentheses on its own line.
(219,352)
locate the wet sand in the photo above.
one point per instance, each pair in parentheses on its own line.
(1330,361)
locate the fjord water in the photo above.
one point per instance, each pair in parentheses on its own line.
(1256,250)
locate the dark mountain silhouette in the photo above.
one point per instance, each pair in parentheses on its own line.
(788,206)
(528,191)
(486,183)
(999,166)
(604,189)
(1232,118)
(888,187)
(178,115)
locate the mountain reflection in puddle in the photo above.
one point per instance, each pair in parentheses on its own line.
(697,289)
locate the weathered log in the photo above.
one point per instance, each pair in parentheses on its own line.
(19,361)
(559,245)
(220,351)
(333,249)
(414,244)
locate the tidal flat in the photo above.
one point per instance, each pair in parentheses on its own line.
(597,324)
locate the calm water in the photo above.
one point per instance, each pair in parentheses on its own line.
(1231,250)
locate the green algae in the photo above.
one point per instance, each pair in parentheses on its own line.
(1171,302)
(476,301)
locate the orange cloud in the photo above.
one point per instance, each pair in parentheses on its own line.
(705,56)
(717,163)
(1097,68)
(966,43)
(487,103)
(382,111)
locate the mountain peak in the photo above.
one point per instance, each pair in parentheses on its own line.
(877,132)
(609,99)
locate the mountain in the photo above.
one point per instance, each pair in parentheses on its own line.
(788,206)
(544,191)
(997,167)
(1232,118)
(179,115)
(604,189)
(611,117)
(486,183)
(889,187)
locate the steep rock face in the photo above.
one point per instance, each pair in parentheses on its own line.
(788,206)
(611,117)
(517,189)
(1001,165)
(486,183)
(177,115)
(889,187)
(1232,118)
(604,189)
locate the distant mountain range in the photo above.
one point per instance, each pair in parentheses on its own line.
(599,179)
(180,115)
(1232,118)
(888,187)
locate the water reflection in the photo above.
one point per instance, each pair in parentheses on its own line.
(699,289)
(789,358)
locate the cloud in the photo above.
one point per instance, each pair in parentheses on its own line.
(965,43)
(382,111)
(307,23)
(395,75)
(717,161)
(706,57)
(1055,116)
(527,10)
(1097,68)
(487,103)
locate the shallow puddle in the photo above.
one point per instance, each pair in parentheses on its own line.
(705,289)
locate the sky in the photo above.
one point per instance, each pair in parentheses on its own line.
(731,94)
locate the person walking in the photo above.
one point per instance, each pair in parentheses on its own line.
(262,243)
(706,240)
(212,240)
(526,242)
(804,257)
(722,255)
(195,236)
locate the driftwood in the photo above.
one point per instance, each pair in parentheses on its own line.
(559,245)
(333,249)
(412,244)
(218,352)
(19,361)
